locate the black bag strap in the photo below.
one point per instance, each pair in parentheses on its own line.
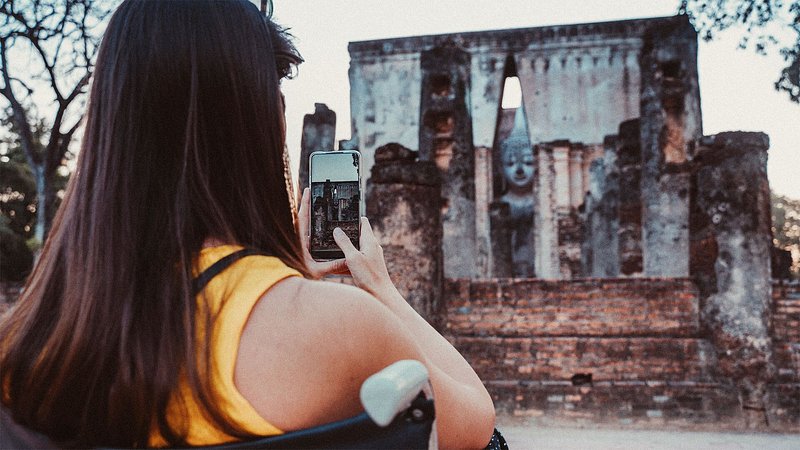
(200,282)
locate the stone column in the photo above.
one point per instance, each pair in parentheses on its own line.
(545,215)
(562,175)
(502,254)
(587,249)
(403,204)
(603,218)
(590,153)
(629,162)
(670,121)
(319,132)
(445,136)
(731,231)
(576,184)
(483,196)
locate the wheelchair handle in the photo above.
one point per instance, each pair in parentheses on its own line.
(391,391)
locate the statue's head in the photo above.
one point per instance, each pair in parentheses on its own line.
(517,156)
(517,159)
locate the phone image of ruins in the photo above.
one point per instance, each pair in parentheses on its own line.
(335,198)
(334,204)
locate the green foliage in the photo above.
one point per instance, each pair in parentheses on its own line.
(767,24)
(18,199)
(786,227)
(17,193)
(16,259)
(18,202)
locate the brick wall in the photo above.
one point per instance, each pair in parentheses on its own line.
(632,403)
(623,351)
(570,236)
(786,311)
(552,358)
(785,392)
(585,307)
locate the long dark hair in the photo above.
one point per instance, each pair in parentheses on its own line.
(183,141)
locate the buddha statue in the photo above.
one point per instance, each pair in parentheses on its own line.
(518,171)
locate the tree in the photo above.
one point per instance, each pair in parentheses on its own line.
(786,228)
(767,24)
(18,201)
(17,216)
(47,53)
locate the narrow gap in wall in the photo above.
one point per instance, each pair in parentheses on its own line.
(510,100)
(512,93)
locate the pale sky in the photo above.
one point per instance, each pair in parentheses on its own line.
(736,86)
(334,167)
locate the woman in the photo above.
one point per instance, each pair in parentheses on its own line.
(182,164)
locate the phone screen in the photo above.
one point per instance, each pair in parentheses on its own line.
(335,200)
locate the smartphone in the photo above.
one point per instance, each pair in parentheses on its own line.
(335,182)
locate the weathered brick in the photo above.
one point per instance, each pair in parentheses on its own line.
(616,307)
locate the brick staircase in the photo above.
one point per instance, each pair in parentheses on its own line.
(624,351)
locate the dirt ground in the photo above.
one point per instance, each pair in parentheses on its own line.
(538,437)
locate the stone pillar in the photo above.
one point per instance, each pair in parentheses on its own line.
(587,250)
(319,132)
(670,121)
(403,204)
(629,162)
(603,217)
(545,215)
(562,176)
(590,153)
(488,71)
(445,136)
(483,196)
(576,191)
(502,253)
(731,233)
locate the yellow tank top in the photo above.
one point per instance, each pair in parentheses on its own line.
(231,295)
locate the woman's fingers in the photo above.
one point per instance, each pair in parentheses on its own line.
(337,266)
(366,233)
(344,243)
(368,240)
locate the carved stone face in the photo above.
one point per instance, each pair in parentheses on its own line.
(518,165)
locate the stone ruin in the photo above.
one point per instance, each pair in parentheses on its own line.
(592,254)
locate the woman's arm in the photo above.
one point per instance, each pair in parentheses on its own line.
(369,272)
(334,336)
(308,346)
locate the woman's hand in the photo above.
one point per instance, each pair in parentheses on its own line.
(318,269)
(366,264)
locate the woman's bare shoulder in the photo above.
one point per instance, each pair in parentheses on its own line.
(308,346)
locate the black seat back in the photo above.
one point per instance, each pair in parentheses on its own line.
(409,430)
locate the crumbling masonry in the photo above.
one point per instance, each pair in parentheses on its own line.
(593,255)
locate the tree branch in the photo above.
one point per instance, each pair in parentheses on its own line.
(63,146)
(18,111)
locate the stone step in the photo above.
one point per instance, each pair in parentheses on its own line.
(630,403)
(587,307)
(605,359)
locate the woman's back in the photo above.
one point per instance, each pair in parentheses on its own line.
(227,299)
